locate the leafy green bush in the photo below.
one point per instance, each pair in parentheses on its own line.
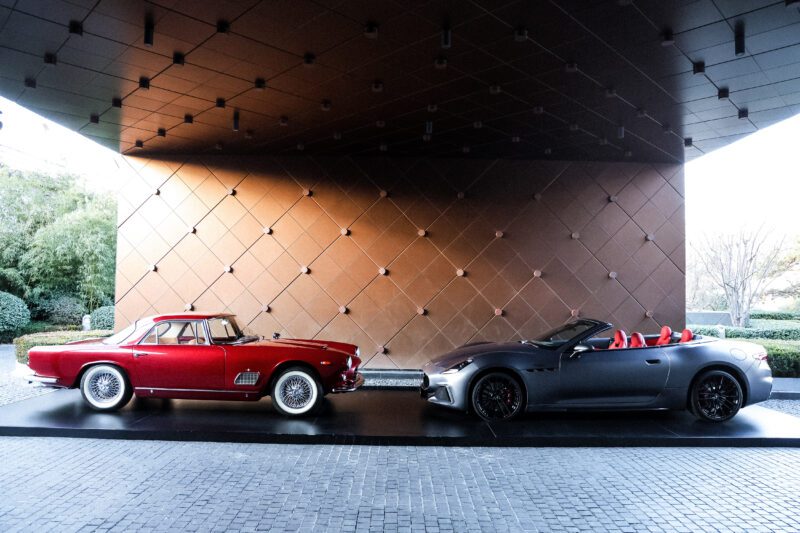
(763,333)
(52,338)
(707,331)
(103,317)
(65,310)
(784,357)
(14,316)
(774,315)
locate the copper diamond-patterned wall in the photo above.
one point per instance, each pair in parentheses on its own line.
(405,257)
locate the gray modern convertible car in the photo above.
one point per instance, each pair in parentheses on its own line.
(573,367)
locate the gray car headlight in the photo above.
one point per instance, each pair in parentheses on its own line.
(458,366)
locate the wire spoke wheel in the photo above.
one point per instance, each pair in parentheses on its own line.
(717,396)
(105,388)
(497,397)
(296,392)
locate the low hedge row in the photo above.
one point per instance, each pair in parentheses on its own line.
(731,332)
(784,357)
(53,338)
(774,315)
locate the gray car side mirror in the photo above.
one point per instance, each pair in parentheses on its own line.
(579,349)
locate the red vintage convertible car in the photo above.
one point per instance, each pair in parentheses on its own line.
(200,357)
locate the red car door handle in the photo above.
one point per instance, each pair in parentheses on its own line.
(139,354)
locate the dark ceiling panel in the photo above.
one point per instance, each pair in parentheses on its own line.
(512,78)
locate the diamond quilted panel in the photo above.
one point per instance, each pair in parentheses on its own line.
(568,249)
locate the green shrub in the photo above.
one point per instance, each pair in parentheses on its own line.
(14,316)
(708,331)
(65,310)
(774,315)
(38,326)
(763,333)
(784,357)
(103,317)
(52,338)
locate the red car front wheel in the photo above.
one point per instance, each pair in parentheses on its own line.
(296,392)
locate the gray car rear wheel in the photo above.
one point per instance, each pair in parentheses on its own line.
(716,396)
(497,396)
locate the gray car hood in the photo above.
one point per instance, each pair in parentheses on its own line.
(474,350)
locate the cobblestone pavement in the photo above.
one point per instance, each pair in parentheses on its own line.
(13,388)
(790,407)
(159,486)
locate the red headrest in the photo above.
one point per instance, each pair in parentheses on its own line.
(637,340)
(687,335)
(620,340)
(666,336)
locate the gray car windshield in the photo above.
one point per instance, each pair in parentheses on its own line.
(558,336)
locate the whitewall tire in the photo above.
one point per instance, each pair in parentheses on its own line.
(105,388)
(296,392)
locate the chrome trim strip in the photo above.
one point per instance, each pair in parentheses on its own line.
(192,390)
(40,379)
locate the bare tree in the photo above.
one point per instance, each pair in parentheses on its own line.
(742,265)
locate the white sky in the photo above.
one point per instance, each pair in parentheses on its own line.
(751,182)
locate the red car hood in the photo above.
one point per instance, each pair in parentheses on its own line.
(347,349)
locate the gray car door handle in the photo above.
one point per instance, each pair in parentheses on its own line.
(653,361)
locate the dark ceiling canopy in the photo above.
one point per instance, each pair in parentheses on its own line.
(648,80)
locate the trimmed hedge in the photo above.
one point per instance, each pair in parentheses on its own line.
(103,317)
(788,334)
(14,316)
(774,315)
(784,357)
(53,338)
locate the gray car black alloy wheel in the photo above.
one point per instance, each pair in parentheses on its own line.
(716,396)
(497,396)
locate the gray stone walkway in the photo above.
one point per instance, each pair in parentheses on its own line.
(167,486)
(13,388)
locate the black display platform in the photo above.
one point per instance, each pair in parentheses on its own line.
(389,417)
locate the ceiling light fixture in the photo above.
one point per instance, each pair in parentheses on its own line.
(178,58)
(76,27)
(738,39)
(149,29)
(235,120)
(223,26)
(371,30)
(188,119)
(309,59)
(161,132)
(667,38)
(698,67)
(520,34)
(447,38)
(144,82)
(440,63)
(260,84)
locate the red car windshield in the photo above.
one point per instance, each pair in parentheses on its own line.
(122,336)
(225,330)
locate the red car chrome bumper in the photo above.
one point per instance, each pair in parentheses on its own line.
(349,385)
